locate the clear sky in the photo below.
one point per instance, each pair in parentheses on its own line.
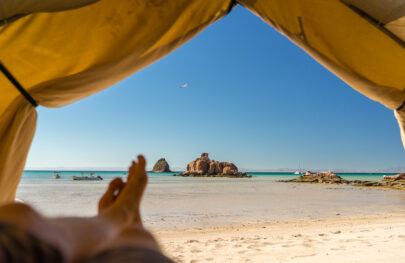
(253,98)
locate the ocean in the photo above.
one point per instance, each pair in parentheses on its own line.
(172,202)
(34,176)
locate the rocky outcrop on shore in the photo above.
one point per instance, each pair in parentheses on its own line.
(391,182)
(161,166)
(396,177)
(323,177)
(205,167)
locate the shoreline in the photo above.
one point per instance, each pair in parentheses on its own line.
(255,220)
(396,182)
(379,238)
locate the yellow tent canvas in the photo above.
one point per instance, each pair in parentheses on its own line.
(62,51)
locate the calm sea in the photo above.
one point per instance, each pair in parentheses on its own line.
(172,202)
(67,175)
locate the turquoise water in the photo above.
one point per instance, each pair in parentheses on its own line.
(172,202)
(108,175)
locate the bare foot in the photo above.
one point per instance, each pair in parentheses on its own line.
(120,204)
(114,189)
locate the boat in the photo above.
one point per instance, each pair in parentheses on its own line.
(87,178)
(299,169)
(56,175)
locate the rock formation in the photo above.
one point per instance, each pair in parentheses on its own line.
(161,166)
(203,166)
(322,177)
(396,177)
(391,182)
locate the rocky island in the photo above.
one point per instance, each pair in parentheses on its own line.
(392,182)
(161,166)
(204,167)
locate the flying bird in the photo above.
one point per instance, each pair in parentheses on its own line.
(184,86)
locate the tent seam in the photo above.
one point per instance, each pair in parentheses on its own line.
(376,23)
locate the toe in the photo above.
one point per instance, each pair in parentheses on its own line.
(109,196)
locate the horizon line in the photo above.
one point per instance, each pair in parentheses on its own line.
(252,171)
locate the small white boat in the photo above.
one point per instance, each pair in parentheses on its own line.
(297,172)
(56,175)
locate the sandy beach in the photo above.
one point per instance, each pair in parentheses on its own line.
(247,220)
(358,239)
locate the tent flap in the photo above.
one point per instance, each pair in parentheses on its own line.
(17,128)
(17,8)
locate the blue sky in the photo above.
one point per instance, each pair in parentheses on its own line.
(253,98)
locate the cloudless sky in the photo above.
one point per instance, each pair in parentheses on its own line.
(254,99)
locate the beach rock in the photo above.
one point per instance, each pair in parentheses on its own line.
(161,166)
(227,171)
(200,165)
(205,167)
(212,168)
(219,166)
(396,177)
(391,182)
(204,156)
(230,169)
(322,177)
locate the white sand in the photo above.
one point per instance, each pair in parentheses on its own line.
(363,239)
(207,220)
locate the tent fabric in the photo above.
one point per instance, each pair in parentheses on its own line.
(17,128)
(18,8)
(397,27)
(62,57)
(82,47)
(343,41)
(400,115)
(384,11)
